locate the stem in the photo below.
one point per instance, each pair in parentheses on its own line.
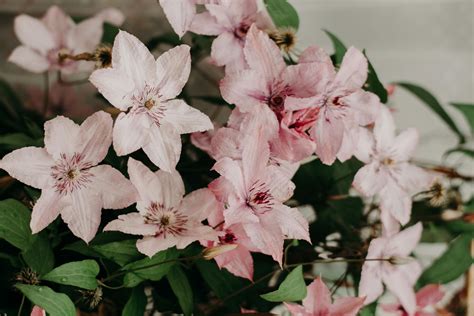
(21,305)
(46,93)
(447,171)
(110,287)
(336,260)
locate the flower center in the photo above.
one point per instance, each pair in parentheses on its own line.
(71,173)
(147,102)
(167,220)
(242,29)
(260,199)
(388,161)
(228,238)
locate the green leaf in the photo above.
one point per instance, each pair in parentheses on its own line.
(291,289)
(339,48)
(282,13)
(181,288)
(465,151)
(455,261)
(374,85)
(168,38)
(368,310)
(55,304)
(153,268)
(433,104)
(110,31)
(17,140)
(136,304)
(40,256)
(10,99)
(121,252)
(80,273)
(468,111)
(15,224)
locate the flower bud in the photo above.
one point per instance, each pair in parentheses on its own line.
(212,252)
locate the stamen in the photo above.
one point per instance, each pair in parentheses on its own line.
(168,220)
(71,173)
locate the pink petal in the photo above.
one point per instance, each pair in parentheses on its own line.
(295,309)
(315,54)
(412,178)
(46,209)
(306,80)
(405,144)
(263,55)
(292,224)
(180,14)
(296,103)
(260,118)
(370,179)
(255,155)
(205,24)
(384,130)
(38,311)
(227,49)
(132,223)
(198,204)
(112,16)
(232,171)
(365,106)
(222,14)
(172,71)
(370,284)
(390,225)
(117,191)
(151,245)
(166,188)
(83,215)
(353,71)
(318,298)
(164,147)
(397,283)
(30,165)
(58,23)
(365,146)
(239,262)
(61,136)
(328,134)
(115,86)
(290,146)
(29,59)
(239,214)
(222,188)
(131,132)
(429,295)
(278,182)
(186,119)
(403,243)
(226,143)
(347,306)
(95,136)
(33,33)
(86,35)
(196,231)
(130,56)
(395,201)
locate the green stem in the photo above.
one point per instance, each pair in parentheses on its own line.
(21,305)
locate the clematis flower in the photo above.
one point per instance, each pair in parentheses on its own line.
(230,20)
(255,193)
(387,172)
(318,303)
(145,90)
(398,272)
(426,297)
(164,217)
(67,173)
(342,104)
(43,39)
(37,311)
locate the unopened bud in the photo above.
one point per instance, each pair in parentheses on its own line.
(212,252)
(451,215)
(396,260)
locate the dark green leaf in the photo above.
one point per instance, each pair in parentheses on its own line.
(11,100)
(55,304)
(136,304)
(81,274)
(291,289)
(374,85)
(110,31)
(221,282)
(17,140)
(468,111)
(368,310)
(465,151)
(181,288)
(168,38)
(339,48)
(121,252)
(283,13)
(427,98)
(15,224)
(82,248)
(153,268)
(40,256)
(455,261)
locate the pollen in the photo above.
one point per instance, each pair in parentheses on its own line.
(285,38)
(388,161)
(149,104)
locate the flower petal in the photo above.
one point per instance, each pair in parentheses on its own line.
(164,147)
(131,132)
(365,146)
(384,130)
(46,209)
(347,306)
(239,262)
(114,85)
(396,201)
(328,133)
(397,283)
(403,243)
(117,191)
(30,165)
(365,106)
(318,298)
(429,295)
(186,119)
(180,14)
(33,33)
(405,144)
(198,204)
(86,35)
(353,71)
(292,224)
(95,136)
(29,59)
(61,136)
(232,171)
(58,23)
(227,50)
(255,155)
(239,214)
(151,245)
(172,71)
(112,16)
(370,179)
(132,223)
(205,24)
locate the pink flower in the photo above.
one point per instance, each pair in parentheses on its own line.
(67,173)
(145,90)
(37,311)
(230,20)
(387,172)
(398,272)
(342,104)
(427,296)
(254,194)
(164,217)
(42,39)
(318,303)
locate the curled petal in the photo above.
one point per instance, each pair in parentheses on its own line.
(132,223)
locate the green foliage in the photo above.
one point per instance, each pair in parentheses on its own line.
(121,252)
(181,288)
(427,98)
(15,224)
(110,31)
(81,274)
(136,303)
(40,256)
(283,13)
(14,141)
(468,111)
(55,304)
(291,289)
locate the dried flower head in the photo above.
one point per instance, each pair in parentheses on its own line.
(438,195)
(27,276)
(212,252)
(103,56)
(285,38)
(92,298)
